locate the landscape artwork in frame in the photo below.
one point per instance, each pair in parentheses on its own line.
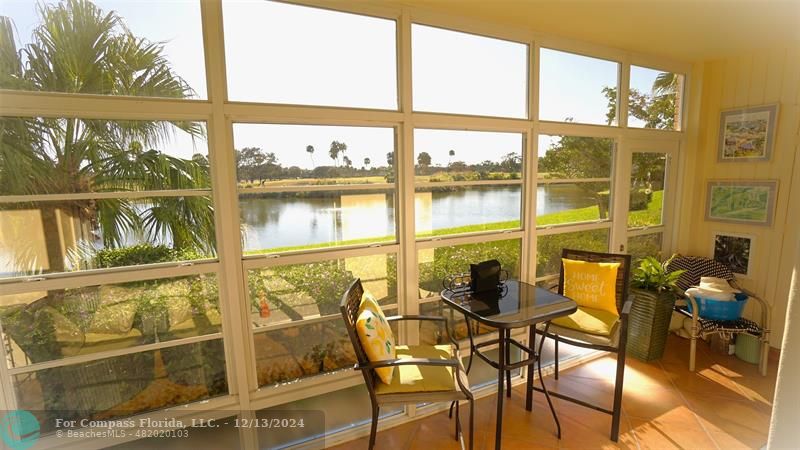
(751,202)
(747,134)
(735,251)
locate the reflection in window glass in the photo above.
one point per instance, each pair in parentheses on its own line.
(464,73)
(437,263)
(308,56)
(44,326)
(305,350)
(648,172)
(270,155)
(454,210)
(317,219)
(300,291)
(548,248)
(163,54)
(329,413)
(124,385)
(73,235)
(645,245)
(433,333)
(655,99)
(575,88)
(457,155)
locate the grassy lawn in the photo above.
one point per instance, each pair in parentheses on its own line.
(649,216)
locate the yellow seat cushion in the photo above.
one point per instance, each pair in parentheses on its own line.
(411,378)
(377,340)
(589,320)
(591,284)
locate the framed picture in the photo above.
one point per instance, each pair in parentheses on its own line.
(747,134)
(740,201)
(734,250)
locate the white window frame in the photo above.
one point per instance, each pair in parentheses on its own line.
(230,267)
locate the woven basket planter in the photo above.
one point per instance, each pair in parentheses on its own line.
(648,324)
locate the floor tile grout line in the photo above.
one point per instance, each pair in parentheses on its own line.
(630,427)
(690,407)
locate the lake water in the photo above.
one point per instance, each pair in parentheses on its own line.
(290,221)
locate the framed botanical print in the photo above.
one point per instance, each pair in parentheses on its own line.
(747,134)
(741,201)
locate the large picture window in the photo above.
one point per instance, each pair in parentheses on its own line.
(467,181)
(108,53)
(305,187)
(464,73)
(309,56)
(576,88)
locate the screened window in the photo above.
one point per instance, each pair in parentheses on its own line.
(74,194)
(281,53)
(306,186)
(467,181)
(574,179)
(88,58)
(548,248)
(294,312)
(655,99)
(576,88)
(436,263)
(464,73)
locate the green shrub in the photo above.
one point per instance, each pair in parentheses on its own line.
(142,254)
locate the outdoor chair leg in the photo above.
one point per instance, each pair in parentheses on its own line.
(556,357)
(618,384)
(471,423)
(508,361)
(450,414)
(373,431)
(458,422)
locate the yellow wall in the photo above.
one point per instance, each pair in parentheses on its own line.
(750,79)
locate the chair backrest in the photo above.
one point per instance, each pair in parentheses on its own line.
(351,300)
(697,267)
(623,273)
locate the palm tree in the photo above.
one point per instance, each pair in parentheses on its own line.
(451,153)
(367,162)
(671,85)
(80,49)
(310,151)
(346,161)
(336,149)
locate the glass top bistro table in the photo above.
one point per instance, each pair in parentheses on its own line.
(515,304)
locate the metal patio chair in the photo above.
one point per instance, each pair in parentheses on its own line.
(434,363)
(615,343)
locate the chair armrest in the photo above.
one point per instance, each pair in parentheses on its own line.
(766,310)
(414,317)
(408,362)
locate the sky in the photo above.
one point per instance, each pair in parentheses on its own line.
(281,53)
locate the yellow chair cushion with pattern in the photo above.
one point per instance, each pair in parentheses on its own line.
(589,320)
(369,302)
(408,379)
(377,340)
(591,284)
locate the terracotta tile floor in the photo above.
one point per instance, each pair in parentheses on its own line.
(725,405)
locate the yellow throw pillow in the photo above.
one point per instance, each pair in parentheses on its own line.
(591,284)
(369,302)
(377,341)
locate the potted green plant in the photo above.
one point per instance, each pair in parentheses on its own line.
(653,301)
